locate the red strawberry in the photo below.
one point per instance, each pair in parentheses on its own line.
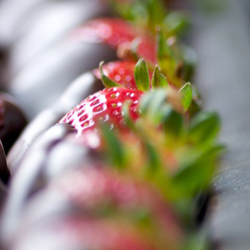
(103,106)
(125,198)
(117,32)
(121,72)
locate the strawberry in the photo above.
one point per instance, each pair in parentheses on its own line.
(117,33)
(113,200)
(106,105)
(122,72)
(103,106)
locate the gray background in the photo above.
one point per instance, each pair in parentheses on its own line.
(221,38)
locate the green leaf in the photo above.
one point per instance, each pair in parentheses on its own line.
(195,173)
(153,157)
(164,51)
(186,95)
(145,103)
(137,12)
(176,22)
(142,216)
(197,168)
(142,76)
(114,146)
(198,240)
(107,82)
(154,106)
(173,122)
(156,12)
(159,96)
(204,127)
(134,48)
(168,60)
(190,61)
(159,80)
(151,104)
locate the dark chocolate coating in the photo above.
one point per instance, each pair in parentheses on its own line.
(3,74)
(12,121)
(53,22)
(44,80)
(80,89)
(3,69)
(4,178)
(4,171)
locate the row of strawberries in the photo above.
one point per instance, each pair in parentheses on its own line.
(114,168)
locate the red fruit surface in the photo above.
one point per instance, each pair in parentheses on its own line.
(94,188)
(103,106)
(116,32)
(121,72)
(102,210)
(102,235)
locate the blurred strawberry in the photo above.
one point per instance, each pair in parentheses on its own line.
(96,208)
(117,33)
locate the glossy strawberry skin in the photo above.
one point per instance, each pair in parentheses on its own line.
(103,106)
(117,33)
(121,72)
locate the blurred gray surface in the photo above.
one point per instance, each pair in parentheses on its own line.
(221,39)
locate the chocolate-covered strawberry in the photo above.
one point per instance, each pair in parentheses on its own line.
(106,106)
(103,106)
(80,89)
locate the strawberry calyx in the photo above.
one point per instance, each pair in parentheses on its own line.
(160,47)
(137,76)
(148,14)
(130,75)
(142,76)
(159,80)
(172,147)
(170,60)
